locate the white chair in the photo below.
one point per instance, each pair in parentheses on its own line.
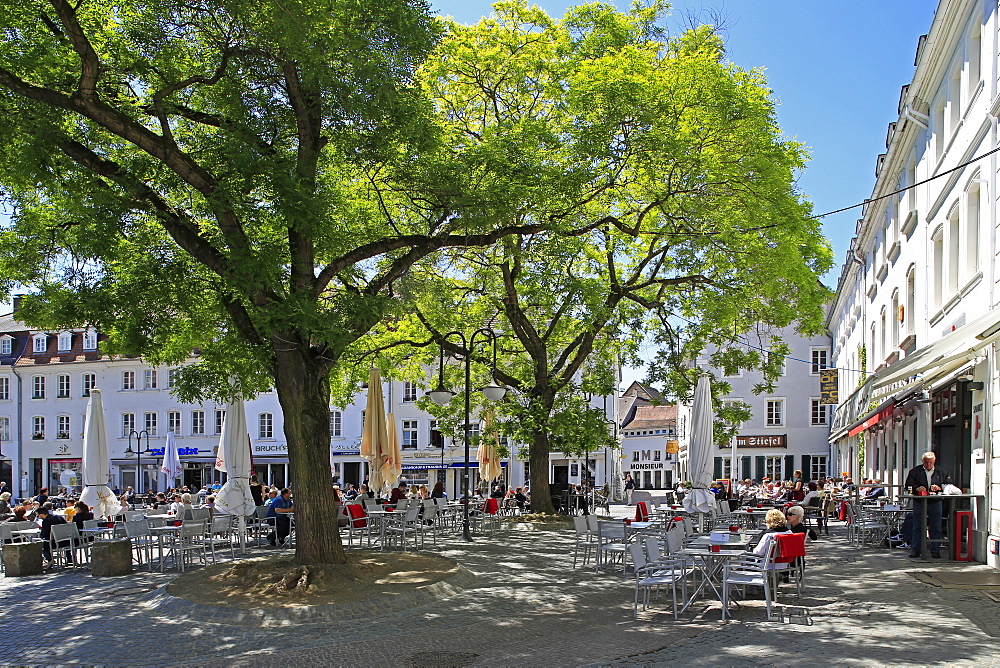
(190,540)
(650,576)
(221,534)
(142,540)
(67,544)
(584,539)
(751,570)
(610,544)
(402,526)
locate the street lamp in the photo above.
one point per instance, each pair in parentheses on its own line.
(442,396)
(138,454)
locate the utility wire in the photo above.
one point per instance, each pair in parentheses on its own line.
(919,183)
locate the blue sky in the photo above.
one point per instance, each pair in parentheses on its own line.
(836,69)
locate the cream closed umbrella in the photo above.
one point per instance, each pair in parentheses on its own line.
(700,449)
(234,460)
(374,436)
(96,461)
(487,455)
(171,466)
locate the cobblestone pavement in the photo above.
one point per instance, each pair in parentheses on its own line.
(527,606)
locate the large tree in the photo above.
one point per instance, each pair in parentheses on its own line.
(669,161)
(226,176)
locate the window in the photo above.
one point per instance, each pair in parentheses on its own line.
(336,424)
(775,412)
(266,426)
(90,340)
(971,232)
(817,467)
(726,403)
(62,385)
(474,430)
(149,379)
(817,360)
(436,439)
(149,422)
(817,413)
(656,455)
(409,434)
(89,383)
(4,429)
(171,377)
(954,225)
(938,123)
(894,325)
(63,426)
(128,424)
(772,467)
(4,388)
(197,422)
(973,59)
(409,391)
(954,99)
(220,418)
(38,387)
(64,342)
(635,456)
(174,421)
(937,251)
(779,359)
(40,343)
(128,380)
(37,428)
(908,314)
(6,345)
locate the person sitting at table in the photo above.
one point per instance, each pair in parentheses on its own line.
(423,493)
(181,504)
(438,491)
(81,513)
(17,515)
(209,502)
(43,496)
(875,491)
(5,510)
(520,498)
(774,522)
(48,520)
(794,516)
(398,493)
(279,509)
(351,493)
(498,491)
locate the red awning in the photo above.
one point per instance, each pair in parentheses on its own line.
(880,414)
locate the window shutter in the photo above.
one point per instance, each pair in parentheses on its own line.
(717,473)
(789,467)
(746,468)
(760,467)
(807,467)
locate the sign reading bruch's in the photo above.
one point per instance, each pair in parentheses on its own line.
(776,441)
(828,387)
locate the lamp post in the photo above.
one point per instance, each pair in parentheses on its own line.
(138,454)
(442,396)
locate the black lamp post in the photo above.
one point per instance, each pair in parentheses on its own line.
(138,454)
(442,396)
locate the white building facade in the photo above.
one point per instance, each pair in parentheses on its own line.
(915,318)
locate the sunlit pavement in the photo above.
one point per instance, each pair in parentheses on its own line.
(527,606)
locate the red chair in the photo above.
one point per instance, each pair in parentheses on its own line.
(792,552)
(641,512)
(492,506)
(357,520)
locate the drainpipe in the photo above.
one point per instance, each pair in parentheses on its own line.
(918,118)
(17,473)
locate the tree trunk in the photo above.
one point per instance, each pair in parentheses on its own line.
(541,498)
(303,388)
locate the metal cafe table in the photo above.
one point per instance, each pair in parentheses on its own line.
(922,502)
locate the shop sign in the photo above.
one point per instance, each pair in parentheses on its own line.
(647,466)
(776,441)
(829,380)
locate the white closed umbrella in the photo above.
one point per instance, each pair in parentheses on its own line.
(374,435)
(234,460)
(96,461)
(487,455)
(701,449)
(171,466)
(392,459)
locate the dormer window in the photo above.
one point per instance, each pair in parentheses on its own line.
(65,341)
(6,344)
(90,340)
(40,343)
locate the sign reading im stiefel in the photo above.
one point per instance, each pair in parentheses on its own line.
(828,383)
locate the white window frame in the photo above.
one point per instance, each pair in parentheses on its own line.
(815,471)
(779,402)
(38,428)
(336,424)
(128,424)
(772,467)
(62,386)
(4,429)
(409,391)
(40,343)
(38,387)
(149,379)
(198,423)
(171,377)
(265,425)
(220,419)
(815,365)
(149,421)
(174,422)
(409,435)
(90,340)
(88,382)
(64,342)
(4,388)
(62,427)
(6,344)
(820,411)
(128,380)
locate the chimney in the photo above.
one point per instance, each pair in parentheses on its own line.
(17,303)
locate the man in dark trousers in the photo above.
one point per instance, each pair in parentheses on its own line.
(279,509)
(48,520)
(926,478)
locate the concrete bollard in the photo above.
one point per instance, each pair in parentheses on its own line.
(110,557)
(22,559)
